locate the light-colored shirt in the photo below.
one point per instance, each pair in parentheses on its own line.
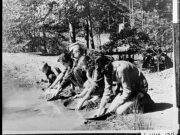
(130,78)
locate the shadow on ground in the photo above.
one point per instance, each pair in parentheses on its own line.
(162,106)
(48,54)
(158,107)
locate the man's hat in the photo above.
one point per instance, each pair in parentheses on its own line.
(75,46)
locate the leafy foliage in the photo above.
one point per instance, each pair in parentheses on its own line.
(149,20)
(127,37)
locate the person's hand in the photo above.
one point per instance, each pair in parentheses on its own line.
(76,96)
(78,107)
(48,89)
(99,112)
(54,97)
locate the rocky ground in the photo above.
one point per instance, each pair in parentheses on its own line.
(21,72)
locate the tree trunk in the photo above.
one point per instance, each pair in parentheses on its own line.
(35,35)
(158,62)
(87,33)
(108,20)
(91,34)
(99,39)
(33,42)
(72,33)
(44,42)
(90,26)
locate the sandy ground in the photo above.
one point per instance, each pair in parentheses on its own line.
(24,111)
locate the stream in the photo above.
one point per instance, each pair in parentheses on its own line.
(24,111)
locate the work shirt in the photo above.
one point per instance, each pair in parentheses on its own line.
(75,76)
(128,76)
(95,82)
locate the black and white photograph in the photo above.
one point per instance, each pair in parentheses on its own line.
(90,66)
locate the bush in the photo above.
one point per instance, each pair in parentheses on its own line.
(14,48)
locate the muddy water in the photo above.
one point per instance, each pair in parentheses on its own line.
(24,111)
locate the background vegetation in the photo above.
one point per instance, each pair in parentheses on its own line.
(48,26)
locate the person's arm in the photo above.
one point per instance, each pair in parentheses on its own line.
(126,85)
(107,92)
(46,79)
(93,79)
(67,80)
(90,89)
(86,97)
(106,96)
(64,84)
(59,77)
(86,85)
(68,69)
(54,70)
(75,62)
(82,94)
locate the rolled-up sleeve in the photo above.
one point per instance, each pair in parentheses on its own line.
(126,85)
(66,81)
(107,89)
(96,77)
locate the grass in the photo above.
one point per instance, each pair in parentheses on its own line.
(135,122)
(132,119)
(140,123)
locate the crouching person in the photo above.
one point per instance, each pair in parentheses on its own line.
(65,62)
(50,72)
(133,84)
(76,77)
(93,87)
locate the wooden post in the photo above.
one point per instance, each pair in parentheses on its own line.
(176,38)
(177,63)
